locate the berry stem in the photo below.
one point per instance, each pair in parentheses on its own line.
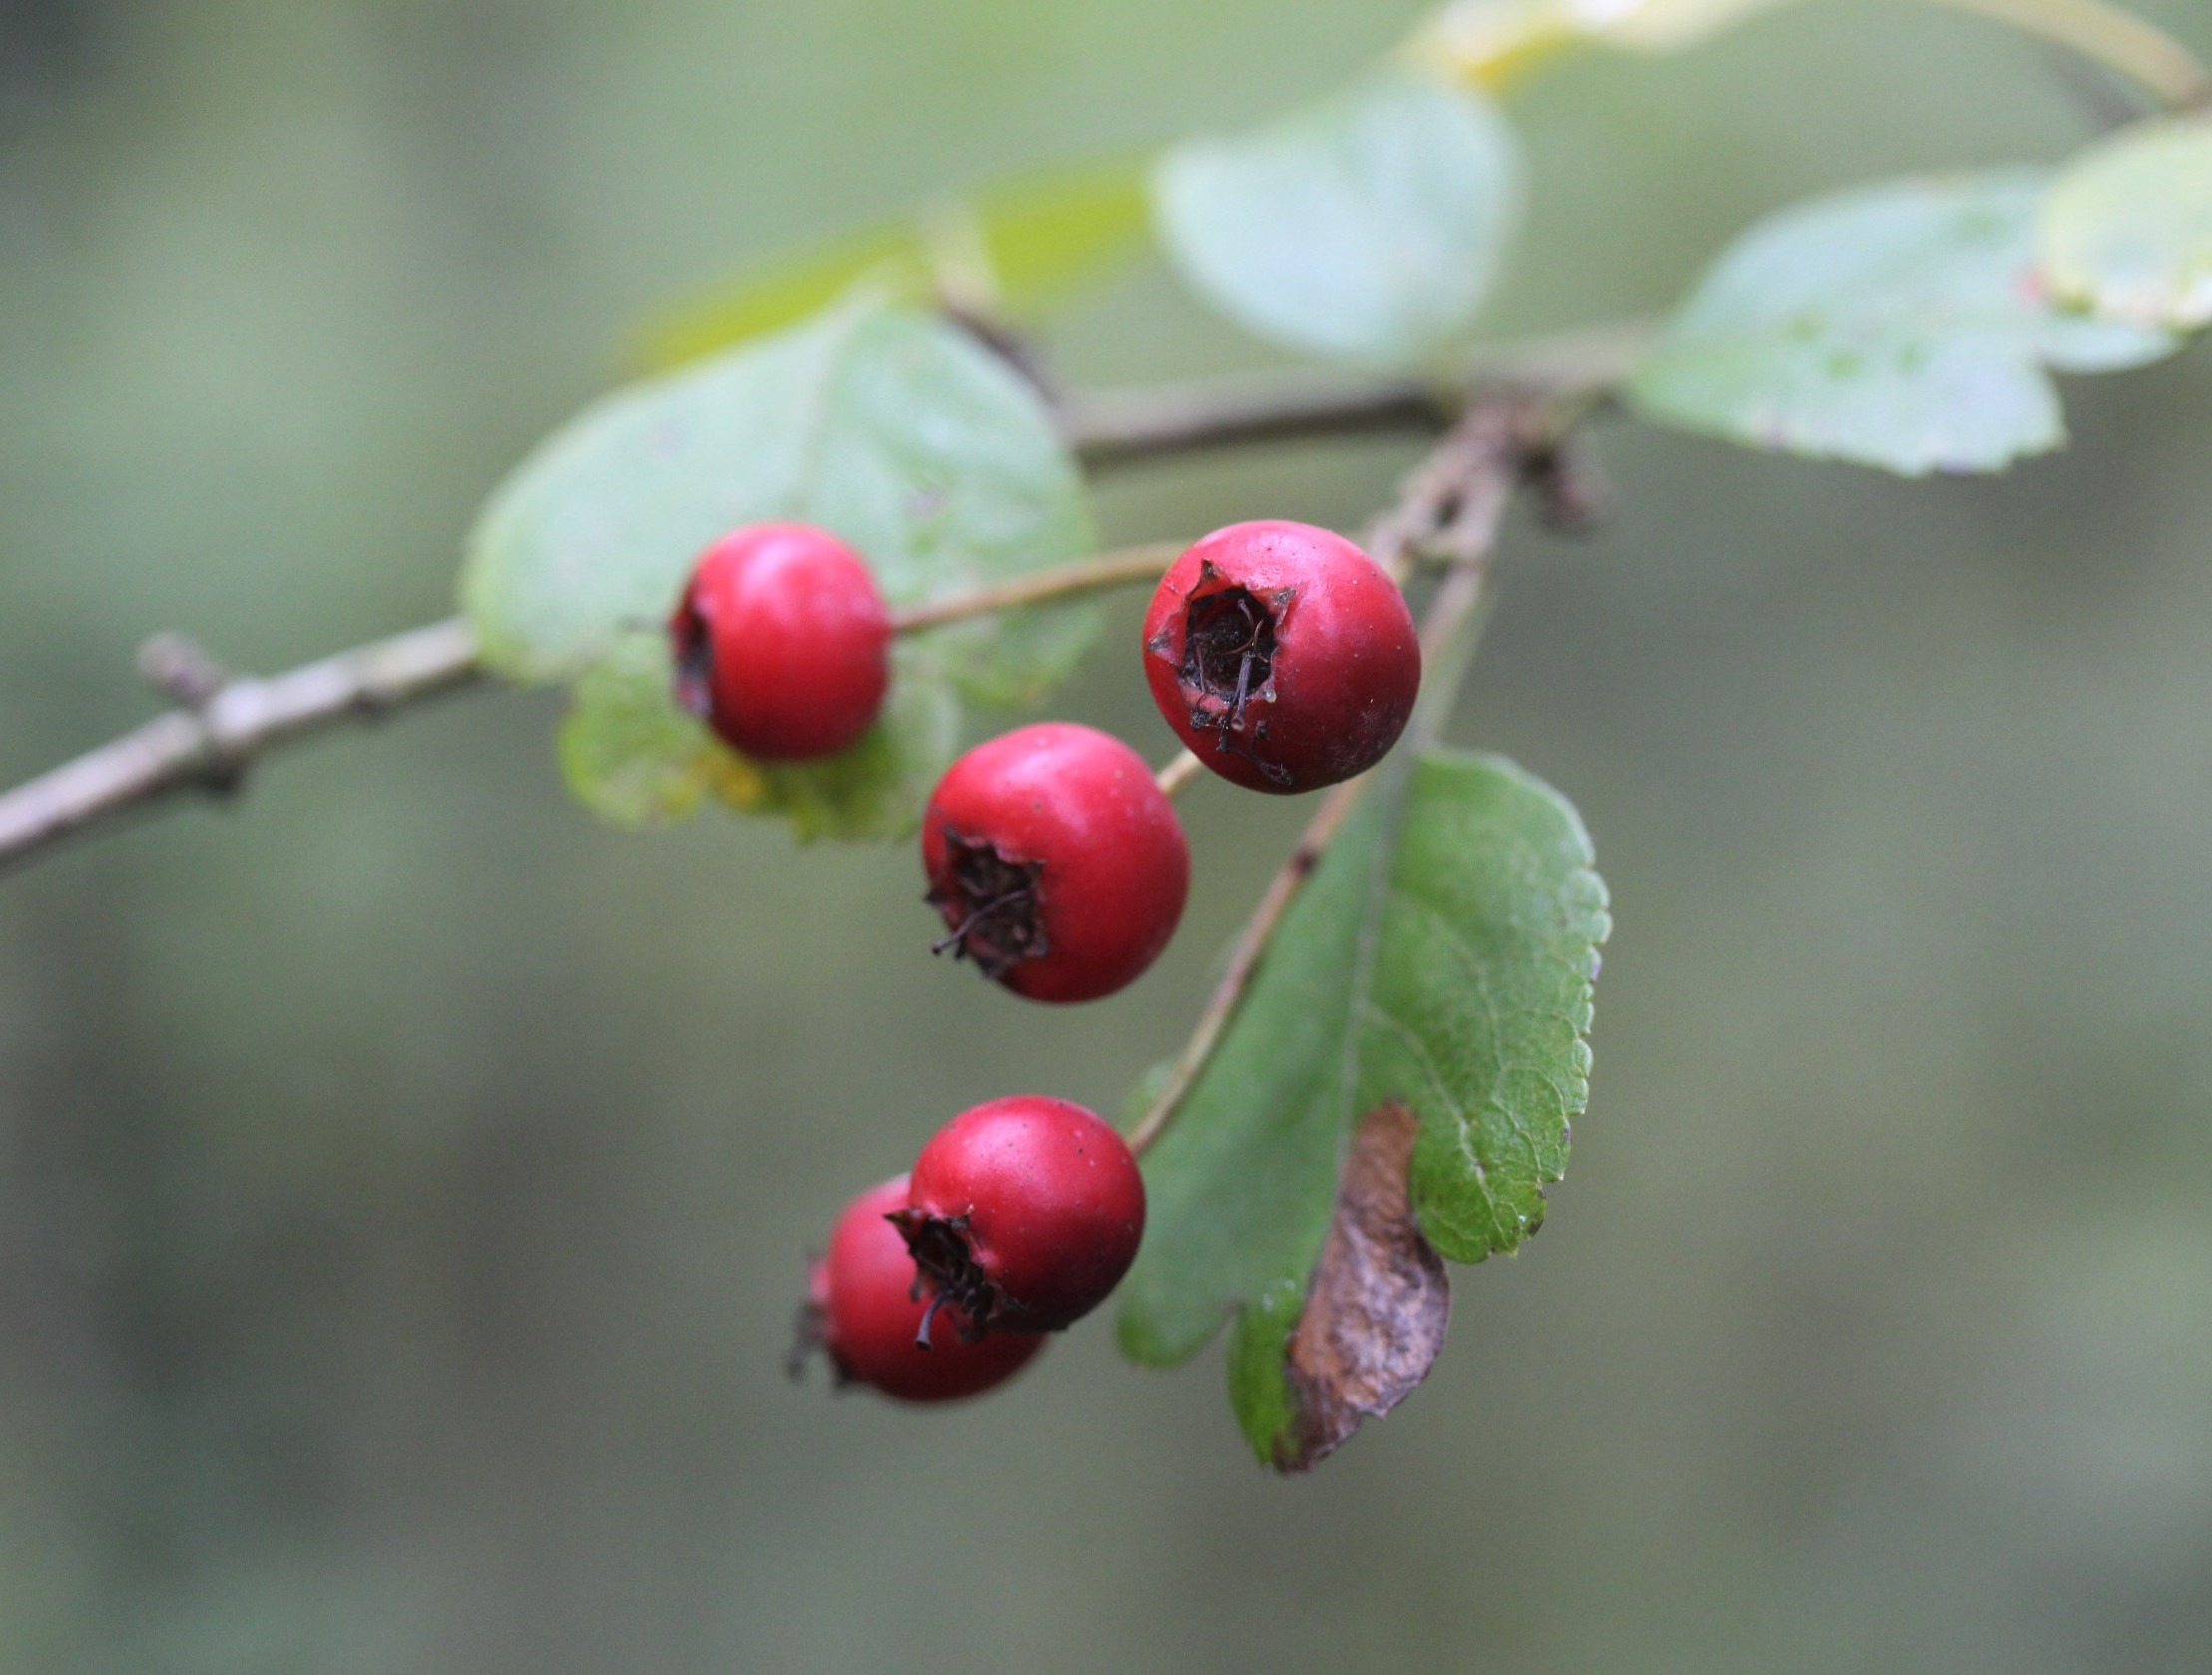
(1179,771)
(1119,568)
(1252,943)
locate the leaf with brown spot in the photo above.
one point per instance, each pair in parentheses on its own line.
(1374,1323)
(1437,963)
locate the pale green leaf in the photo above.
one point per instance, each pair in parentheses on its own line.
(2126,232)
(1442,954)
(1900,325)
(634,756)
(878,788)
(627,751)
(896,433)
(1370,227)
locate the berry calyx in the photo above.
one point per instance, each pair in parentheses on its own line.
(1023,1212)
(781,641)
(862,1311)
(1056,862)
(1282,655)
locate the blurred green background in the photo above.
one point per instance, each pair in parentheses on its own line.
(404,1182)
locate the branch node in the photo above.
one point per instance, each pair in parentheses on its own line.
(1574,494)
(182,670)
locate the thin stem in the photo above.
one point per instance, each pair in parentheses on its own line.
(1109,570)
(1179,771)
(2118,39)
(1252,943)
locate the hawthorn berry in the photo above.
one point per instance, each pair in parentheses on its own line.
(862,1311)
(1056,861)
(1023,1212)
(1282,655)
(781,641)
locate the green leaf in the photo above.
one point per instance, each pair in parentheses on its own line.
(1442,955)
(1898,325)
(894,431)
(1369,228)
(1032,240)
(634,756)
(878,788)
(627,751)
(2126,232)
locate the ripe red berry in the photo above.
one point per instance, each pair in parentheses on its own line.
(1282,655)
(1056,861)
(781,641)
(862,1311)
(1024,1213)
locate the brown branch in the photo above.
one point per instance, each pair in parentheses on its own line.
(223,725)
(209,745)
(1121,428)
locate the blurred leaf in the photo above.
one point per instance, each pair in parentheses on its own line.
(627,751)
(634,756)
(2126,232)
(1898,325)
(1495,42)
(1037,237)
(784,290)
(1442,955)
(1370,227)
(895,431)
(878,788)
(1048,233)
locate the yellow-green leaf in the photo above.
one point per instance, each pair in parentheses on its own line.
(1027,241)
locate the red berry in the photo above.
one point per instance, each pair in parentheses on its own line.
(1025,1213)
(862,1310)
(1056,861)
(781,641)
(1282,655)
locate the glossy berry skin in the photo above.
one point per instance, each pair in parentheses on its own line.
(781,641)
(1282,655)
(862,1311)
(1025,1212)
(1056,861)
